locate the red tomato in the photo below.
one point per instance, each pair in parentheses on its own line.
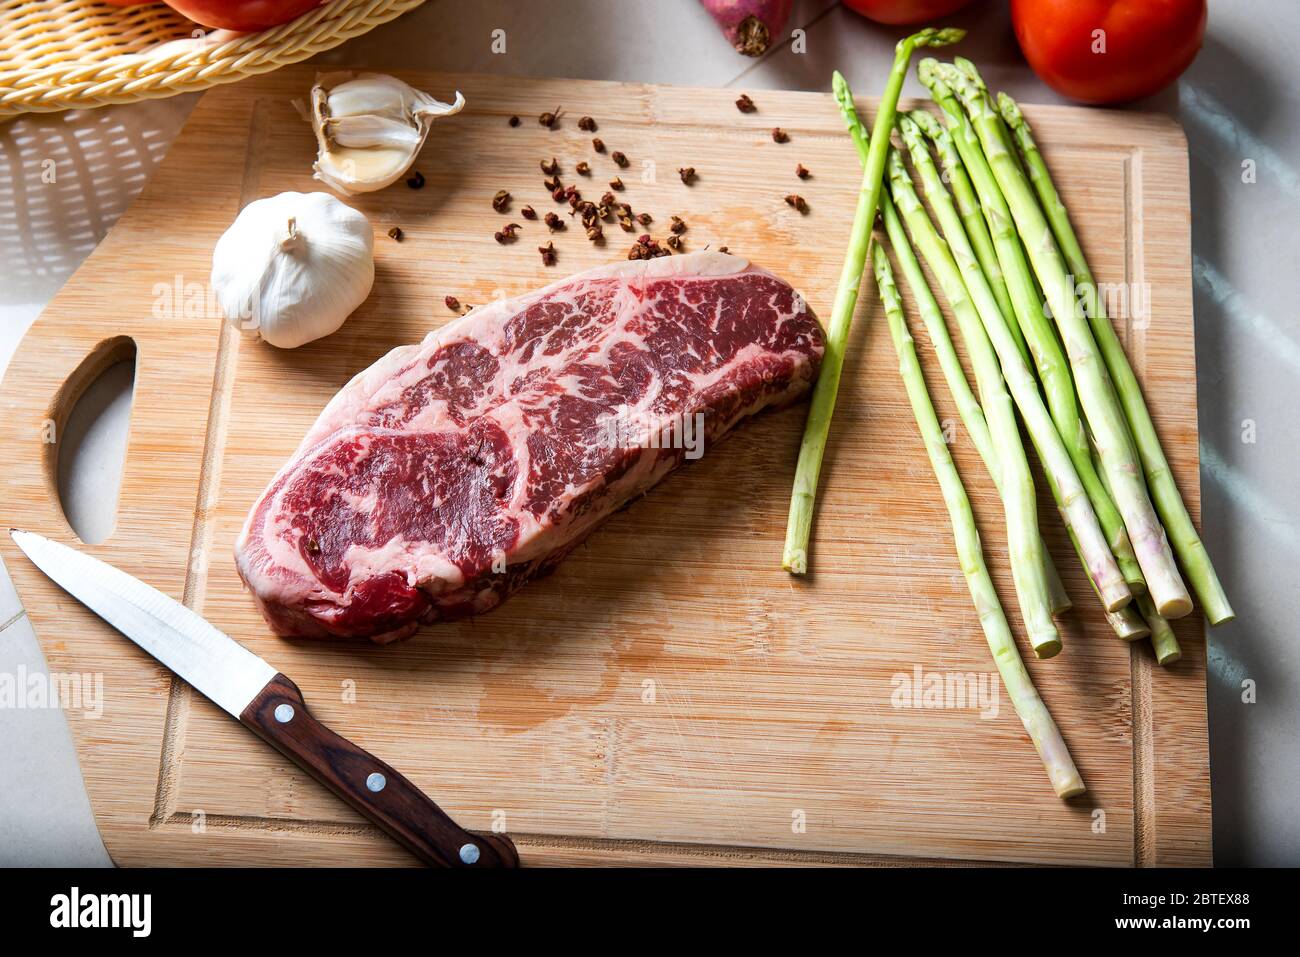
(904,11)
(243,15)
(1108,51)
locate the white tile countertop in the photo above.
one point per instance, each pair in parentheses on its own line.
(1236,103)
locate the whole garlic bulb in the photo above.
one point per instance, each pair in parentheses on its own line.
(369,128)
(293,267)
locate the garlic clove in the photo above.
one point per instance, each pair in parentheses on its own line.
(370,128)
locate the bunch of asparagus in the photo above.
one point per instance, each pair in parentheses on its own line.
(1026,305)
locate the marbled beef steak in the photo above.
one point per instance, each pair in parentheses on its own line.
(453,471)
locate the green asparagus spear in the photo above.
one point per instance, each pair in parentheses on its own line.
(1060,471)
(1101,406)
(1029,705)
(976,227)
(1187,543)
(1163,641)
(799,527)
(968,407)
(1017,482)
(1053,369)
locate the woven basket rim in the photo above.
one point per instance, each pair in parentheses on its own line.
(204,62)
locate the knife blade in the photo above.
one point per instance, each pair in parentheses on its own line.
(264,701)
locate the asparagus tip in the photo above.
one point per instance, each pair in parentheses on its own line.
(946,36)
(1010,110)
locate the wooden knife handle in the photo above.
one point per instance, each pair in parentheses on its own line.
(279,716)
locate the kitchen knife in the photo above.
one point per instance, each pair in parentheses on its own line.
(267,703)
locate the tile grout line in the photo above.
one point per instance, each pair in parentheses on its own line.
(22,613)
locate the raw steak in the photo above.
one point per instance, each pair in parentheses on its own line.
(453,471)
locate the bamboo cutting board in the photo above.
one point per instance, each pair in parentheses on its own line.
(670,695)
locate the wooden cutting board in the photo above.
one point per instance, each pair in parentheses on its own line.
(670,695)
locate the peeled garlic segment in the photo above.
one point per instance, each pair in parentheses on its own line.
(293,267)
(369,128)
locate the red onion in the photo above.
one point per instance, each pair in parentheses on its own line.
(750,25)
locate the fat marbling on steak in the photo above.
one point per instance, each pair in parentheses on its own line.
(453,471)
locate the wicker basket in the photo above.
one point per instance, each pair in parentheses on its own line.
(70,54)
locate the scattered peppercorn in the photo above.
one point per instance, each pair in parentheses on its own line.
(396,233)
(500,201)
(514,121)
(779,135)
(675,242)
(595,233)
(678,225)
(548,254)
(745,104)
(416,180)
(549,119)
(646,248)
(797,202)
(587,124)
(452,303)
(584,169)
(550,168)
(803,172)
(553,222)
(687,173)
(507,234)
(724,249)
(619,159)
(558,194)
(616,183)
(644,219)
(528,212)
(598,145)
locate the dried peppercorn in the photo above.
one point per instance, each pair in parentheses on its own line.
(514,121)
(675,242)
(619,159)
(687,173)
(584,169)
(551,167)
(528,212)
(616,183)
(396,233)
(558,194)
(598,145)
(553,222)
(678,225)
(587,124)
(595,233)
(501,200)
(452,303)
(797,202)
(507,234)
(779,135)
(644,219)
(548,254)
(802,171)
(550,118)
(415,180)
(745,104)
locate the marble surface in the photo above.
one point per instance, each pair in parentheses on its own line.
(1240,111)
